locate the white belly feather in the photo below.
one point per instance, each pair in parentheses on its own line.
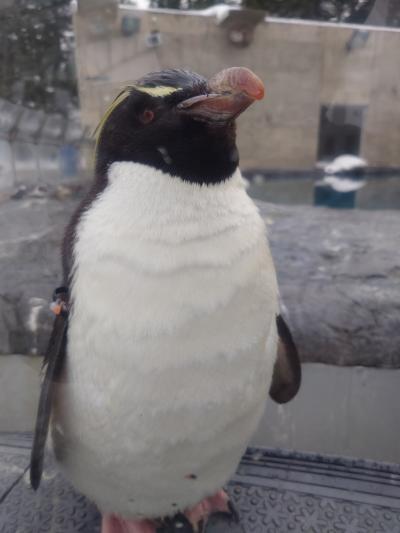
(171,343)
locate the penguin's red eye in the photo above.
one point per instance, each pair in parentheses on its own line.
(147,116)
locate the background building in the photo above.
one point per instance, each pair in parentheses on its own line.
(330,88)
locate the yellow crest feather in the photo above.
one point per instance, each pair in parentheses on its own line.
(115,103)
(161,90)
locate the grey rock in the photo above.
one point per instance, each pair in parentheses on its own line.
(338,271)
(339,277)
(30,269)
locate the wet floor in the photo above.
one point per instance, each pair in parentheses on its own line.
(273,492)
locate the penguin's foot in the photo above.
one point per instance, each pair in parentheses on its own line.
(113,524)
(198,515)
(212,515)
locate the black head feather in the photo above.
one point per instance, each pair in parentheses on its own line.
(189,149)
(178,78)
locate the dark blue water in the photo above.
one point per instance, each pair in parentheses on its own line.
(379,192)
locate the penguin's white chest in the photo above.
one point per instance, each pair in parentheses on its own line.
(171,343)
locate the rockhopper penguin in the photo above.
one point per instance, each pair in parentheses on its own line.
(166,344)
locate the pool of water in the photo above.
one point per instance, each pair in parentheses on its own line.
(379,192)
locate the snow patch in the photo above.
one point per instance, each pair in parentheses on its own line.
(341,184)
(345,163)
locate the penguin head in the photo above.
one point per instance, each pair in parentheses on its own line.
(178,122)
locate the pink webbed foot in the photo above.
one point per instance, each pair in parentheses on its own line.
(211,514)
(200,513)
(113,524)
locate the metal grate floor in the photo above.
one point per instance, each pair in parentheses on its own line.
(274,491)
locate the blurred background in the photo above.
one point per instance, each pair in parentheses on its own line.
(321,154)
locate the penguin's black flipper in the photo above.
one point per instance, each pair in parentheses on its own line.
(286,377)
(52,363)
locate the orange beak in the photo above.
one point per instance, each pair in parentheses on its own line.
(231,92)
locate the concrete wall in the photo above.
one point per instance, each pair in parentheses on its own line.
(304,65)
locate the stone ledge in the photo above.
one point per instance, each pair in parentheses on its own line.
(339,275)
